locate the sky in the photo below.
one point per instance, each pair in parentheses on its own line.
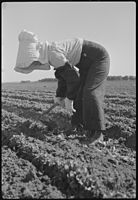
(111,24)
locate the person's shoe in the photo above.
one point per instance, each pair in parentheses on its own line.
(94,137)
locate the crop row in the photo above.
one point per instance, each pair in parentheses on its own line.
(128,101)
(13,124)
(77,174)
(20,179)
(124,118)
(77,180)
(120,111)
(115,113)
(118,99)
(36,97)
(26,104)
(115,109)
(130,123)
(27,92)
(112,96)
(32,150)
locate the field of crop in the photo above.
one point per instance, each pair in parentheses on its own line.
(40,161)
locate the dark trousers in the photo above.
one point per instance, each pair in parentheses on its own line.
(93,68)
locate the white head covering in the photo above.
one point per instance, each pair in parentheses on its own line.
(30,49)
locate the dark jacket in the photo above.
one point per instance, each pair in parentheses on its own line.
(68,81)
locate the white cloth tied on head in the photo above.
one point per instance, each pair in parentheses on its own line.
(30,50)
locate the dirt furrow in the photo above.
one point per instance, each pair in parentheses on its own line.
(75,170)
(118,126)
(21,179)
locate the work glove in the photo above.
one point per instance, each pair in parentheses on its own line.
(69,106)
(60,101)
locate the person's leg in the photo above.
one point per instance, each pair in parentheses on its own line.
(77,117)
(93,96)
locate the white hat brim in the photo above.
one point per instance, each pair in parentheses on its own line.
(23,70)
(29,69)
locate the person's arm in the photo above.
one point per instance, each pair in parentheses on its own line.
(67,75)
(61,87)
(69,81)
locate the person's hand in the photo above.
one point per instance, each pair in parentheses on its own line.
(69,106)
(60,101)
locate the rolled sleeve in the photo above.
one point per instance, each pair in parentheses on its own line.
(57,59)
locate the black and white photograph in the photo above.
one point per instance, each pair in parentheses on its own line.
(68,96)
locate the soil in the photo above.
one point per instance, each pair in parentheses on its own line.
(42,158)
